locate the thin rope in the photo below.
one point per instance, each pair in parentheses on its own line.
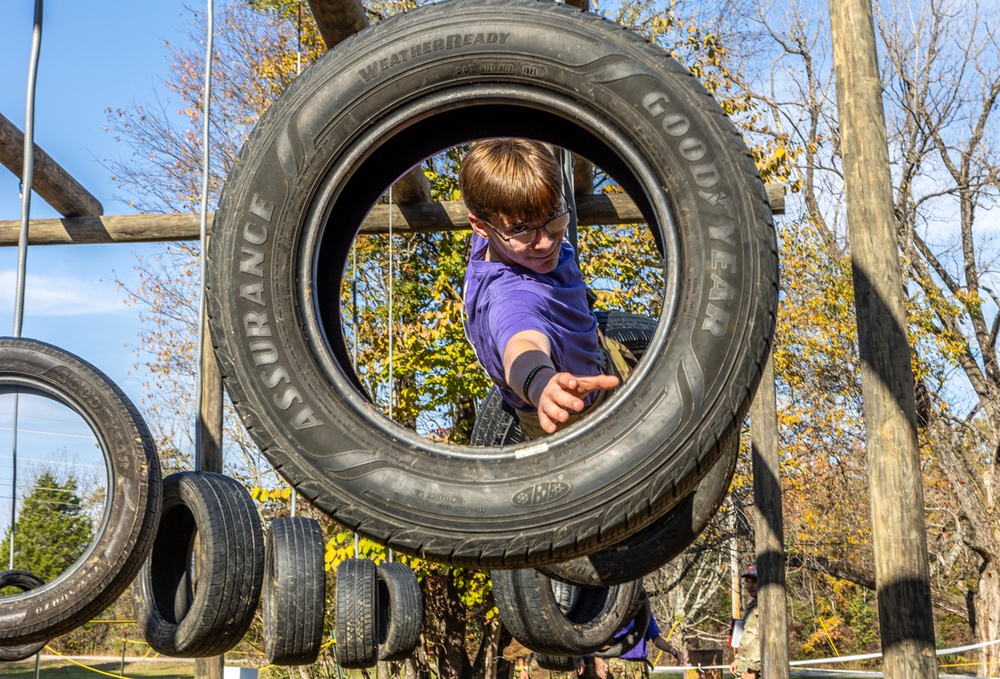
(203,236)
(27,173)
(391,283)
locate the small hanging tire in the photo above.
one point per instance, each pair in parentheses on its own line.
(200,587)
(132,507)
(294,595)
(529,609)
(556,663)
(412,86)
(400,611)
(657,544)
(25,582)
(356,611)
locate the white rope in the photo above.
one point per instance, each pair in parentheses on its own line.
(839,659)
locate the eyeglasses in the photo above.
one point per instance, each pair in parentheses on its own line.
(523,234)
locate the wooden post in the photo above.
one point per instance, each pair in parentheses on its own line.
(50,181)
(769,529)
(897,501)
(210,424)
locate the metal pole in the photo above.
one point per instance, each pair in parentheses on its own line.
(22,244)
(203,233)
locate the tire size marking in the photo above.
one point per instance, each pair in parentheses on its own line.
(724,263)
(256,324)
(449,42)
(418,498)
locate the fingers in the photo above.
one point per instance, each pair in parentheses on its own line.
(564,393)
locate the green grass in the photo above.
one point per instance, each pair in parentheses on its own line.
(63,669)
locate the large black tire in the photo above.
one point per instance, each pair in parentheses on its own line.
(400,613)
(656,544)
(25,582)
(125,532)
(356,611)
(200,587)
(529,609)
(361,116)
(294,597)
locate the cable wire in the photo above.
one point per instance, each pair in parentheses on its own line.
(203,237)
(27,173)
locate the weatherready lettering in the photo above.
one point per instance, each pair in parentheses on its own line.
(724,264)
(453,41)
(256,324)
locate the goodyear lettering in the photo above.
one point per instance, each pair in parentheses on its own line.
(723,260)
(372,70)
(706,175)
(723,233)
(716,321)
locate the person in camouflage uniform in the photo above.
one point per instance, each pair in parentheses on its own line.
(746,664)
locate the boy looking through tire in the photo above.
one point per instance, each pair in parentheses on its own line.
(525,299)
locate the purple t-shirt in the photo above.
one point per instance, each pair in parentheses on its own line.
(504,299)
(639,651)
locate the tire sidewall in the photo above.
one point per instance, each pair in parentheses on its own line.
(307,415)
(124,536)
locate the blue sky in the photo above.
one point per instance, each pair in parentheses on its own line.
(94,56)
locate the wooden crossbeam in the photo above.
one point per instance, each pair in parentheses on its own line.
(417,217)
(49,180)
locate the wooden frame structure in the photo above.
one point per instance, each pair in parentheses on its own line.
(903,586)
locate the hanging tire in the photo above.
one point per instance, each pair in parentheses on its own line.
(200,587)
(125,532)
(411,86)
(529,609)
(25,582)
(293,600)
(400,611)
(496,422)
(555,663)
(357,626)
(657,544)
(636,632)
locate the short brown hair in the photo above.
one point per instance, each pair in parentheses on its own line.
(516,178)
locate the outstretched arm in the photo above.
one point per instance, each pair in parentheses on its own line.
(527,362)
(665,645)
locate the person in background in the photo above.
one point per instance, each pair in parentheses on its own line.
(633,663)
(746,664)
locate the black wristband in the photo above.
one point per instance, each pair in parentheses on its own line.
(531,376)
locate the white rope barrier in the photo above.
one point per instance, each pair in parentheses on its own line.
(839,659)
